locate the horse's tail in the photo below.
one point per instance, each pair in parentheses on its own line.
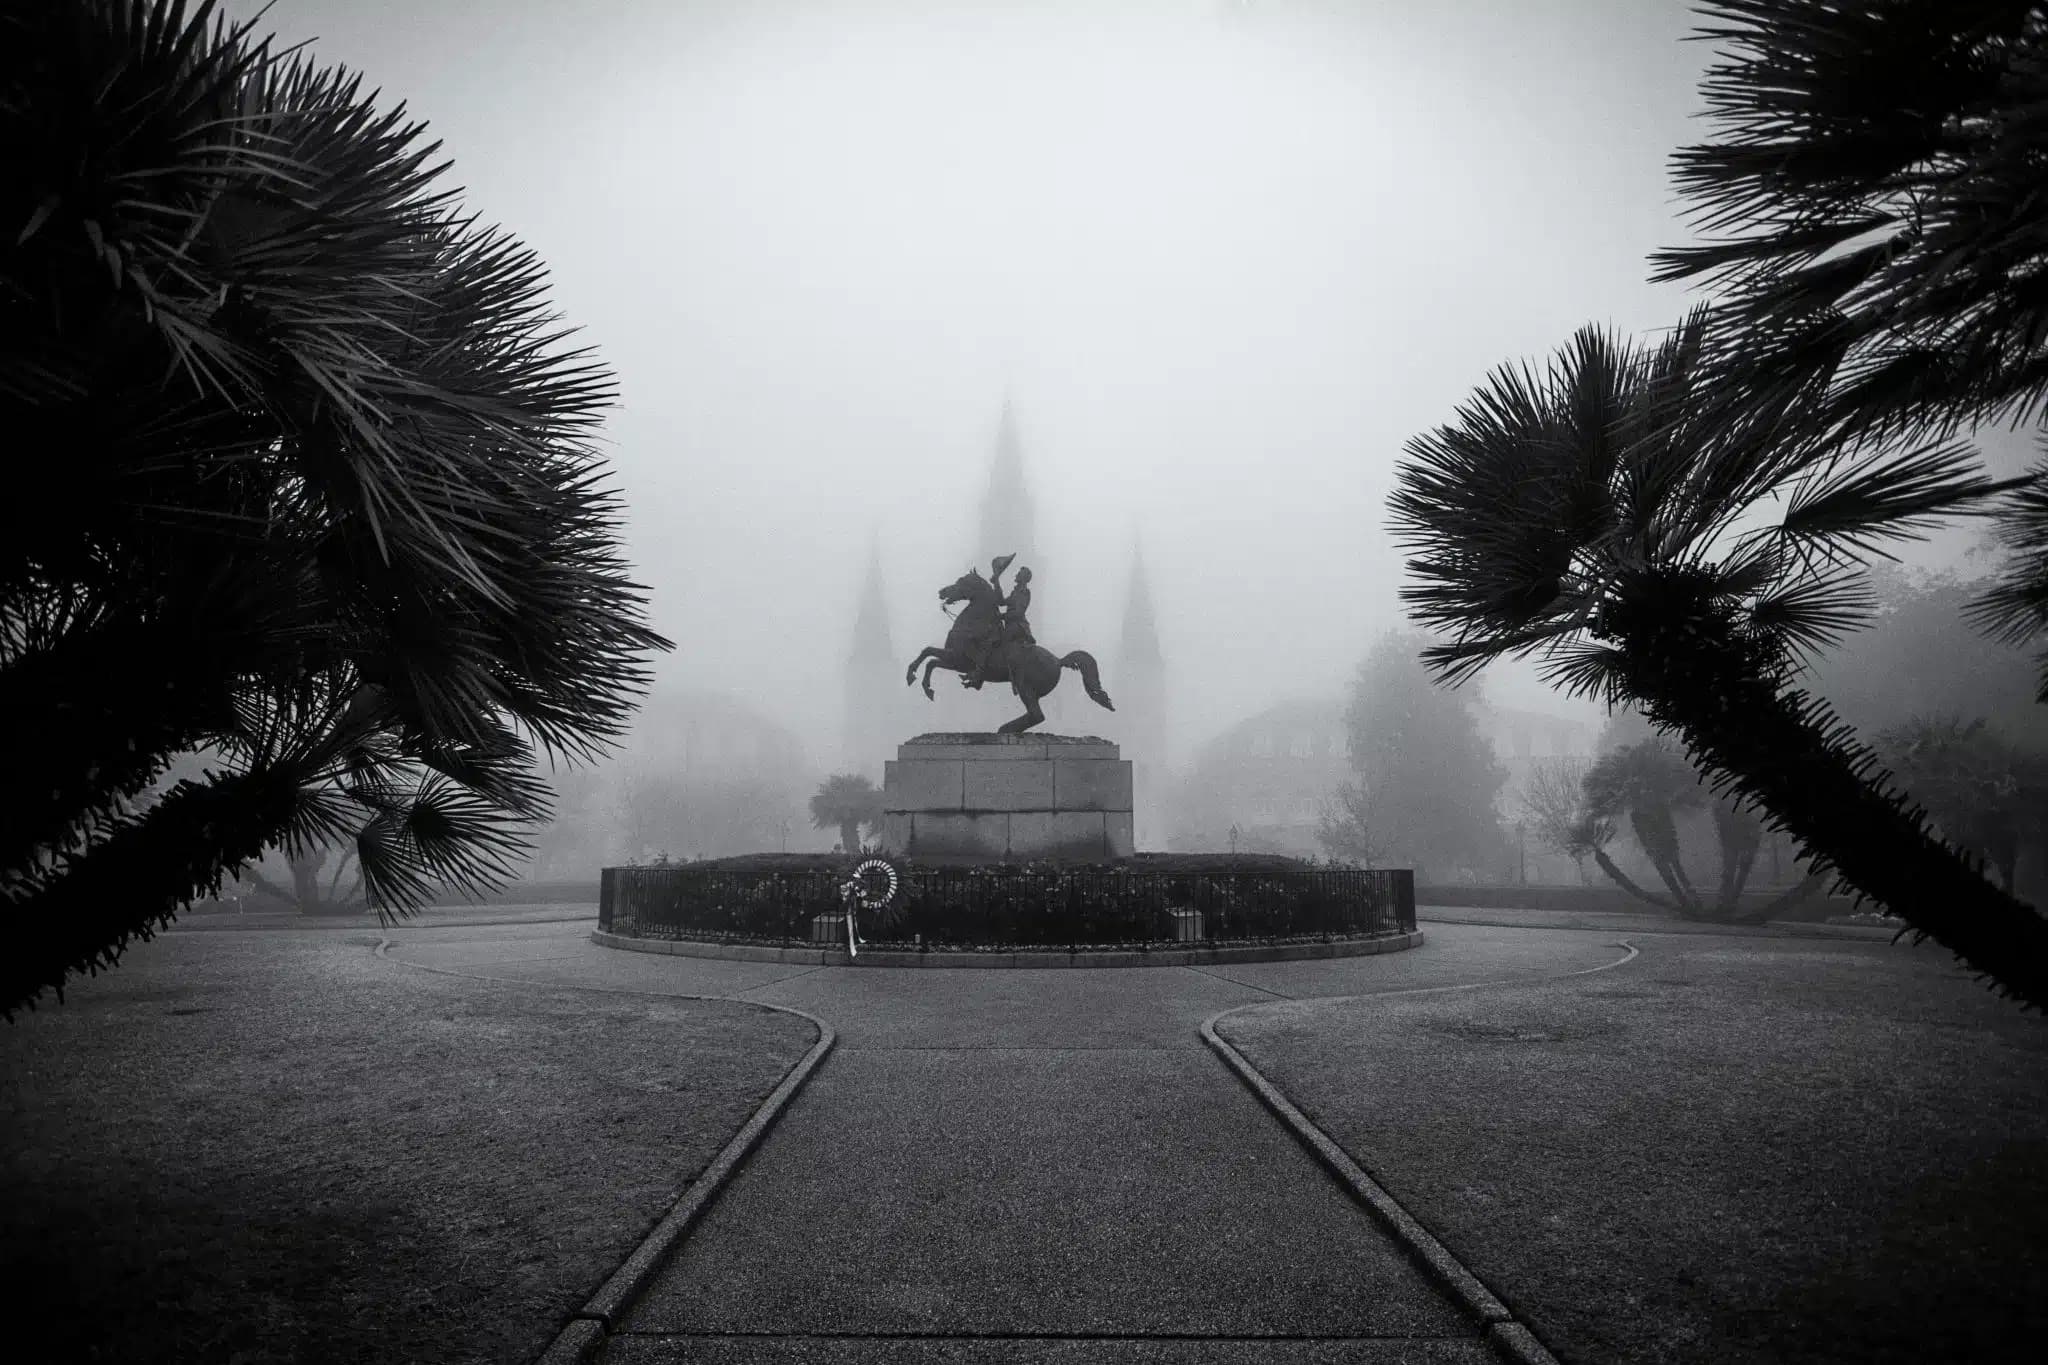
(1091,681)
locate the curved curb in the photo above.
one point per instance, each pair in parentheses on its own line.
(584,1335)
(587,1331)
(1509,1336)
(944,961)
(1771,928)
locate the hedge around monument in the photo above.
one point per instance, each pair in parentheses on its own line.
(1142,862)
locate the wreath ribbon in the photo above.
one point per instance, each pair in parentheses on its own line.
(854,894)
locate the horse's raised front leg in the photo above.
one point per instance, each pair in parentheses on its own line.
(934,666)
(910,673)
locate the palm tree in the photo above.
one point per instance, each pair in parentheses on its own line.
(1878,235)
(1581,514)
(847,801)
(318,494)
(1648,784)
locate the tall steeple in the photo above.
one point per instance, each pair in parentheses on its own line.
(1008,518)
(874,709)
(1140,644)
(1141,718)
(871,620)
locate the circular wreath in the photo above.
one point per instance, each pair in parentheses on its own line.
(873,883)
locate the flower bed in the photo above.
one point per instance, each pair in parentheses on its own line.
(1135,903)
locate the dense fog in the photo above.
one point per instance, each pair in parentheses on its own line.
(1223,259)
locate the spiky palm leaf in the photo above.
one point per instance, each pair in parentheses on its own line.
(846,801)
(1606,518)
(1552,500)
(323,494)
(1877,235)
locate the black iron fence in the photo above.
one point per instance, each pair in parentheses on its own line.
(1009,906)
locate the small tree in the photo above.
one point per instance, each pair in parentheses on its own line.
(1552,800)
(848,801)
(1647,783)
(306,891)
(1428,782)
(1985,796)
(1345,827)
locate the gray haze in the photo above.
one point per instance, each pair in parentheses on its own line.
(1225,257)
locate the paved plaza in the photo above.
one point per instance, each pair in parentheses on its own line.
(1012,1165)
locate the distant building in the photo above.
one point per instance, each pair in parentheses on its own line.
(1271,775)
(700,774)
(1268,777)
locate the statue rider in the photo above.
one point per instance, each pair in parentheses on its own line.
(1012,624)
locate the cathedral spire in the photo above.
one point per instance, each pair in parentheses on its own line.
(1141,629)
(871,619)
(1007,516)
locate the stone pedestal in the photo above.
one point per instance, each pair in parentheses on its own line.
(1007,797)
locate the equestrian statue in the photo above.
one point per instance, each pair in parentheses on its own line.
(991,641)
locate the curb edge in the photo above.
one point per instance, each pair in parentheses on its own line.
(587,1331)
(1124,958)
(1509,1337)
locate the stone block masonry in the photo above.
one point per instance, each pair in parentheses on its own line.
(1008,797)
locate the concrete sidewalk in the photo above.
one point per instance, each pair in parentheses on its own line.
(1017,1165)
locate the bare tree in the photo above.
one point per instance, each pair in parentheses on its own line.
(1347,828)
(1550,799)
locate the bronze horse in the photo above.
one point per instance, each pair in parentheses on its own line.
(1031,670)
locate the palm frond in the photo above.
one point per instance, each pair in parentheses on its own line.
(320,447)
(1860,502)
(2015,610)
(1906,231)
(1504,507)
(1814,611)
(1585,669)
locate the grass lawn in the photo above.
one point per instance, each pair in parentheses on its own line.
(1731,1150)
(270,1147)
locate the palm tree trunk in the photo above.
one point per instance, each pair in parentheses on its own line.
(99,734)
(849,835)
(1739,837)
(1790,754)
(137,880)
(1651,840)
(341,866)
(1621,879)
(1799,891)
(306,881)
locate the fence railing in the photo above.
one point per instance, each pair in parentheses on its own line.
(1025,907)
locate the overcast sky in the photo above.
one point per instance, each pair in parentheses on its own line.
(1227,257)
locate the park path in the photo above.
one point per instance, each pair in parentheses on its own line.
(1000,1165)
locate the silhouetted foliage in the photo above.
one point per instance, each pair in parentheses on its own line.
(315,490)
(1427,778)
(847,802)
(1985,795)
(1583,514)
(1879,234)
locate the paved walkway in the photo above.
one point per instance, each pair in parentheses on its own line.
(1021,1165)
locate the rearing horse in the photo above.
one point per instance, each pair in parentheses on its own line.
(1031,670)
